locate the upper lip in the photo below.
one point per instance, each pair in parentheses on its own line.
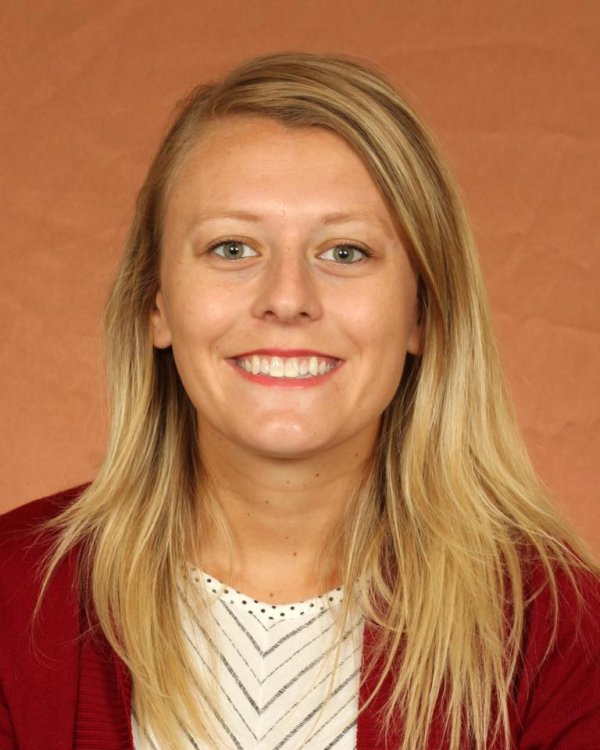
(284,353)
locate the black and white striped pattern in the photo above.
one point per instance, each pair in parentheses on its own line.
(273,667)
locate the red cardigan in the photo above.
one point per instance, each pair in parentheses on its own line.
(61,690)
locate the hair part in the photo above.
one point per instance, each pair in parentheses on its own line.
(441,533)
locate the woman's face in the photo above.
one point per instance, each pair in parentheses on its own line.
(286,292)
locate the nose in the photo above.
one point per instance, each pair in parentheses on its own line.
(287,290)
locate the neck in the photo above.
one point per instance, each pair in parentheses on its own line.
(281,514)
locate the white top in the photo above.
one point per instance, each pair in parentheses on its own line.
(273,670)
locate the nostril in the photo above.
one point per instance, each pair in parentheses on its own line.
(286,317)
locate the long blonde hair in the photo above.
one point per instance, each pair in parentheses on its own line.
(439,532)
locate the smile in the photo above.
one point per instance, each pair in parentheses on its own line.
(293,368)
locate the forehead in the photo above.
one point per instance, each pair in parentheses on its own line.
(267,165)
(250,138)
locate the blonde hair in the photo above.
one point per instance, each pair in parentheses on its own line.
(439,534)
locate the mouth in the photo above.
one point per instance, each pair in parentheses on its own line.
(300,366)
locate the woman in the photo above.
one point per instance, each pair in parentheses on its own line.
(315,525)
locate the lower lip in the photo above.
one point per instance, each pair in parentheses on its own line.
(294,383)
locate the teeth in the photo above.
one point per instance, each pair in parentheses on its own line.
(280,367)
(291,368)
(276,369)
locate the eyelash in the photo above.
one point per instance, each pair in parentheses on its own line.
(346,245)
(222,243)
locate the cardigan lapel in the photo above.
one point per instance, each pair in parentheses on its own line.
(369,735)
(104,698)
(369,729)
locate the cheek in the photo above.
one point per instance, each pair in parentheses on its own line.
(383,323)
(384,331)
(199,314)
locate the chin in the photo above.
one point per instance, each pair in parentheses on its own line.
(288,446)
(288,451)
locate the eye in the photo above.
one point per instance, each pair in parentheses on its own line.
(344,254)
(233,250)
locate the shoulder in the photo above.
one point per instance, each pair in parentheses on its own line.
(24,547)
(26,517)
(20,528)
(558,688)
(572,616)
(39,655)
(25,544)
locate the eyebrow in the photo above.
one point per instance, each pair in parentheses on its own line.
(334,217)
(229,214)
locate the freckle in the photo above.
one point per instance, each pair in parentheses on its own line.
(286,538)
(271,595)
(317,474)
(266,502)
(287,481)
(295,554)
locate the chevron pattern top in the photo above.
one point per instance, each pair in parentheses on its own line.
(273,666)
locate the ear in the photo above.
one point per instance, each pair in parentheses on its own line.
(414,343)
(415,340)
(161,332)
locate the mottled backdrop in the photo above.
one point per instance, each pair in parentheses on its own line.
(86,88)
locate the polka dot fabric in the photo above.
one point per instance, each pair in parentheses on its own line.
(265,612)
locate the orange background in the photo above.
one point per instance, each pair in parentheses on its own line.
(86,88)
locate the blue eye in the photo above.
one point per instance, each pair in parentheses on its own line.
(344,254)
(233,250)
